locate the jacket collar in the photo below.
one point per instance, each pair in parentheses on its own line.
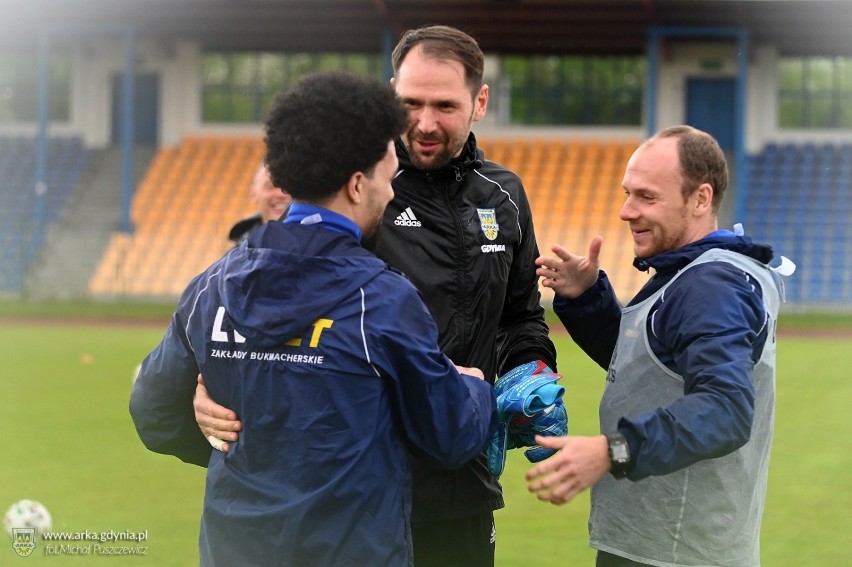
(470,158)
(677,259)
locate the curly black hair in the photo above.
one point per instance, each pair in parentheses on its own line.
(327,127)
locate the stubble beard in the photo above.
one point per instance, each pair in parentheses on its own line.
(449,149)
(669,239)
(370,236)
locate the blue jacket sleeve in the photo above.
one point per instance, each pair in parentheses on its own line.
(592,319)
(161,400)
(447,417)
(710,329)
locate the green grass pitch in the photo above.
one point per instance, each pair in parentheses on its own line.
(66,439)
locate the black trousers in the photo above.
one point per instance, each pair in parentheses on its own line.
(605,559)
(466,542)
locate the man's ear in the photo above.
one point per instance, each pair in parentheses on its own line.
(480,103)
(703,198)
(355,187)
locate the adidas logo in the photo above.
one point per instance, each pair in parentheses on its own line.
(407,218)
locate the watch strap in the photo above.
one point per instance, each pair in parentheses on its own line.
(619,454)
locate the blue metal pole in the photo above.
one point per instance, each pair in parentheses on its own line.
(127,130)
(388,42)
(739,127)
(653,78)
(40,189)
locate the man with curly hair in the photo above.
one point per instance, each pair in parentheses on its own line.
(330,356)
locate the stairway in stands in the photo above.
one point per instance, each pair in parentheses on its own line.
(75,242)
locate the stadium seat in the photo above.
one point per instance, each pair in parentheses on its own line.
(798,201)
(192,193)
(182,210)
(66,159)
(574,191)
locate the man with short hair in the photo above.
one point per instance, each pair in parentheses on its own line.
(688,411)
(460,227)
(328,354)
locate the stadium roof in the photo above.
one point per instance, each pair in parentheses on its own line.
(589,27)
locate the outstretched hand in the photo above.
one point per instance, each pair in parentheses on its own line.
(569,275)
(578,464)
(218,424)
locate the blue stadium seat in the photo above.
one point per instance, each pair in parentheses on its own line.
(67,158)
(797,202)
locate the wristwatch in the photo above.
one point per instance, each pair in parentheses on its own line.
(619,454)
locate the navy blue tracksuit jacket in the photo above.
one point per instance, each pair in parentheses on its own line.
(330,359)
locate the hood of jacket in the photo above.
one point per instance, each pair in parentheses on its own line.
(676,259)
(286,276)
(470,158)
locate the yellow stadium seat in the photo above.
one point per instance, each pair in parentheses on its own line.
(574,188)
(189,198)
(191,194)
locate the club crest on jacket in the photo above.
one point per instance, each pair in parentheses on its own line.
(488,222)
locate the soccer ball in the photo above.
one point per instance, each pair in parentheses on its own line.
(27,514)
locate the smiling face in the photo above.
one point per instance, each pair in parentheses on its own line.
(441,108)
(661,219)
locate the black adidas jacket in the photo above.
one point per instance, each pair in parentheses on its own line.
(464,236)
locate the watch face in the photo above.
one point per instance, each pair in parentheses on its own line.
(619,455)
(620,452)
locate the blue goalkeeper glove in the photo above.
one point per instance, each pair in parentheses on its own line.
(523,395)
(552,421)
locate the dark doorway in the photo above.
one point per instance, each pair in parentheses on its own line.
(145,108)
(710,106)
